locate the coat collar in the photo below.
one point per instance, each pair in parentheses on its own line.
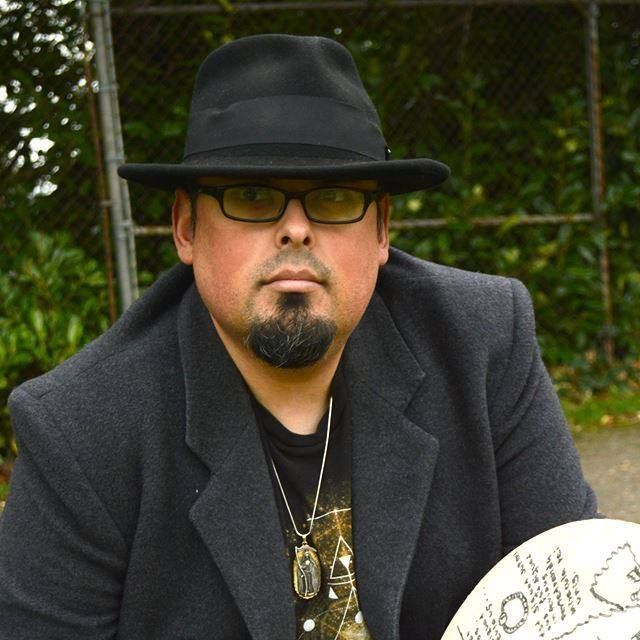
(236,515)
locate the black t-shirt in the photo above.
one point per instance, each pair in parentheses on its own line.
(335,611)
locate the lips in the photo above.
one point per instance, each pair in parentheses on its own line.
(293,274)
(294,281)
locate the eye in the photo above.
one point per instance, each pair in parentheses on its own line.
(255,194)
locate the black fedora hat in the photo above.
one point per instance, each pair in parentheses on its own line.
(285,106)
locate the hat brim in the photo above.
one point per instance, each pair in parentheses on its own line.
(394,176)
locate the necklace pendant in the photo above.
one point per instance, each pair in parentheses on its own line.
(307,573)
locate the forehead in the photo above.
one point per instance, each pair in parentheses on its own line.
(288,184)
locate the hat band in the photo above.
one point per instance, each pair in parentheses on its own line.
(305,120)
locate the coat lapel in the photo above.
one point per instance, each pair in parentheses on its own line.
(392,466)
(236,515)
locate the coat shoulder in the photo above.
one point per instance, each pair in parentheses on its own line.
(479,303)
(477,325)
(404,270)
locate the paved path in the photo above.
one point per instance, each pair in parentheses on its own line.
(611,463)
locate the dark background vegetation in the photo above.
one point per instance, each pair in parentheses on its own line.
(498,92)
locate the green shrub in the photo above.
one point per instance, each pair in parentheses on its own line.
(54,300)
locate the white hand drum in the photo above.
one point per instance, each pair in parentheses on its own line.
(579,581)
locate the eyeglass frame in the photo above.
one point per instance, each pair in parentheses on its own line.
(217,192)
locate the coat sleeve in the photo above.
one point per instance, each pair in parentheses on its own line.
(539,473)
(62,557)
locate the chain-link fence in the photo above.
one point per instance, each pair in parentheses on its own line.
(545,167)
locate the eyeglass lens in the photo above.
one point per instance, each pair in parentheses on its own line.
(332,204)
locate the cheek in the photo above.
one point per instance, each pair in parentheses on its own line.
(359,273)
(219,253)
(220,272)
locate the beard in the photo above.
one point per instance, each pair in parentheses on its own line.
(293,338)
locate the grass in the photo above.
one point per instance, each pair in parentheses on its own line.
(615,409)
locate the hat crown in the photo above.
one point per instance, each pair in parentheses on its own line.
(280,65)
(294,96)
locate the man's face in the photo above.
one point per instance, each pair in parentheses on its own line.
(288,281)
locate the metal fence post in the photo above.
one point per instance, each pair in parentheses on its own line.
(592,47)
(122,224)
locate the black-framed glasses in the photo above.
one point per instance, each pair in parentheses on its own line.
(262,203)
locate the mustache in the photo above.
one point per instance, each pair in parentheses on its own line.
(293,259)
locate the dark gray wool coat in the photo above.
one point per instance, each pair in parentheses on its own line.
(141,505)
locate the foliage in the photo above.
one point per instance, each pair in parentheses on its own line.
(54,300)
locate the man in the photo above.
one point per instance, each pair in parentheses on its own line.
(299,432)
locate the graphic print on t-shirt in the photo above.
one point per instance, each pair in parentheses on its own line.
(335,612)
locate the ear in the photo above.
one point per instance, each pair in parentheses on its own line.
(383,231)
(182,226)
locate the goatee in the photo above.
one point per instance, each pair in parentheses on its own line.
(293,338)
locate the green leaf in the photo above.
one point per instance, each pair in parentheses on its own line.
(74,332)
(510,222)
(226,5)
(36,318)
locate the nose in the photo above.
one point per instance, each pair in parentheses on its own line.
(294,228)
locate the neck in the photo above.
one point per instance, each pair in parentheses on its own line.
(298,398)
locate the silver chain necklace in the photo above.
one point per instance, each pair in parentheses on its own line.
(307,573)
